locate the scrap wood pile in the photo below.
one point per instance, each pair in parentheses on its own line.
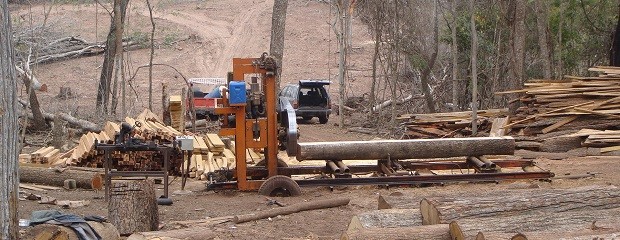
(589,212)
(554,110)
(450,124)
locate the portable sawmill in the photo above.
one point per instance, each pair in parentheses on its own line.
(255,118)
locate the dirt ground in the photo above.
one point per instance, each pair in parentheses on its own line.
(200,38)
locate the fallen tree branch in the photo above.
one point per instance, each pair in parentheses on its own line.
(81,123)
(378,107)
(320,204)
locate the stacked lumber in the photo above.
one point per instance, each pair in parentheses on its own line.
(560,108)
(176,112)
(209,155)
(578,213)
(451,124)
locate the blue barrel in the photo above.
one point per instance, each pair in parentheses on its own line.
(237,91)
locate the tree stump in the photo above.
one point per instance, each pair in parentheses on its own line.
(133,206)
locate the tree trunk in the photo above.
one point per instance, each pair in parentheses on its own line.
(107,231)
(299,207)
(425,77)
(378,29)
(431,232)
(165,105)
(148,3)
(342,64)
(542,14)
(398,202)
(278,26)
(9,150)
(54,177)
(474,70)
(83,124)
(405,149)
(517,55)
(386,218)
(133,206)
(105,80)
(455,58)
(38,120)
(544,202)
(58,133)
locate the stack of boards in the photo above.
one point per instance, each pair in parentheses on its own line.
(450,124)
(209,154)
(84,153)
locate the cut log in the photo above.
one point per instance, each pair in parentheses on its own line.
(386,218)
(133,206)
(57,232)
(305,206)
(406,149)
(83,124)
(560,144)
(399,201)
(52,177)
(437,210)
(559,223)
(430,232)
(192,233)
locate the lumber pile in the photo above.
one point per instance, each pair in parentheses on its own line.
(147,126)
(176,112)
(209,155)
(552,109)
(450,124)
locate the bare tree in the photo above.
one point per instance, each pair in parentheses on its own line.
(278,26)
(339,29)
(517,47)
(474,69)
(455,58)
(542,13)
(424,79)
(9,177)
(105,80)
(148,3)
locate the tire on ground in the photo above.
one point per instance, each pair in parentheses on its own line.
(280,185)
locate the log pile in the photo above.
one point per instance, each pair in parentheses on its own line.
(579,213)
(451,124)
(554,109)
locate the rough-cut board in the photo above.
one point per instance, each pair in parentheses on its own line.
(437,210)
(497,127)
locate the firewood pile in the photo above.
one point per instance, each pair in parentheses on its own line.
(558,109)
(450,124)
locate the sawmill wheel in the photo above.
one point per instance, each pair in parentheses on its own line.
(280,186)
(281,163)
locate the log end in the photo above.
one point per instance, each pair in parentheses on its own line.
(430,214)
(383,204)
(97,182)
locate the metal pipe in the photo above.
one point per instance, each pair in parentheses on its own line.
(475,161)
(486,161)
(342,167)
(333,166)
(406,149)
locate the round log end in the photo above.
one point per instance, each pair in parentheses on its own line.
(97,182)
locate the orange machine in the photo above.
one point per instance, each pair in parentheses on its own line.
(258,116)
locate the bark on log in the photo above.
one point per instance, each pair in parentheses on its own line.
(320,204)
(83,124)
(406,149)
(133,206)
(437,210)
(52,177)
(562,225)
(56,232)
(192,233)
(430,232)
(386,218)
(399,201)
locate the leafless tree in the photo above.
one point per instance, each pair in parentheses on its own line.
(474,68)
(9,177)
(278,26)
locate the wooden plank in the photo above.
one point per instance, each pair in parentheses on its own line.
(610,149)
(548,112)
(497,127)
(51,156)
(215,140)
(560,123)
